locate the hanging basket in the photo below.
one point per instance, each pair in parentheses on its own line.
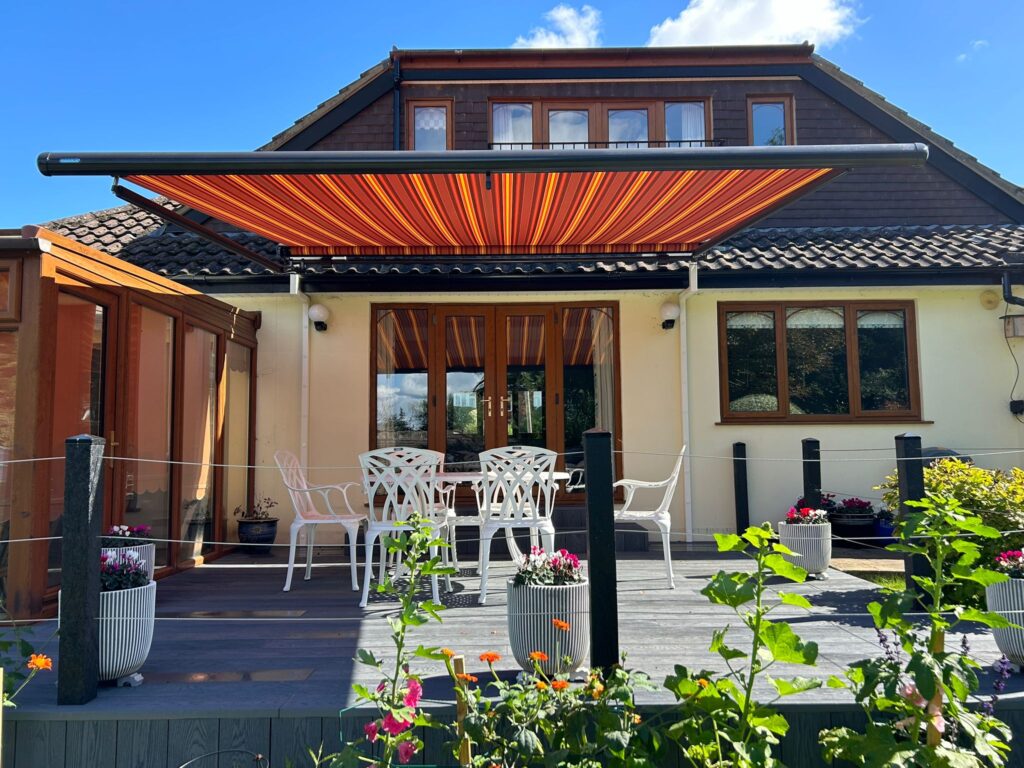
(126,630)
(1007,599)
(145,552)
(813,544)
(531,608)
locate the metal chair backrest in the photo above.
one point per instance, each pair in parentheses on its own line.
(670,489)
(294,480)
(518,483)
(401,481)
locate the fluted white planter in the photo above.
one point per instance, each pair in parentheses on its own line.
(531,607)
(126,630)
(1007,599)
(813,542)
(145,552)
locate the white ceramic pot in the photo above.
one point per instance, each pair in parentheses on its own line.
(126,630)
(145,552)
(531,609)
(1007,599)
(812,542)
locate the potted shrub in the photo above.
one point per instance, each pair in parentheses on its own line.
(885,527)
(853,519)
(808,533)
(256,527)
(131,538)
(1007,599)
(127,611)
(548,612)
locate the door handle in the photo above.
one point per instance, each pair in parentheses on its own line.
(506,406)
(490,405)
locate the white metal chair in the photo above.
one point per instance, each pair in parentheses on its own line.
(307,514)
(399,482)
(659,515)
(517,490)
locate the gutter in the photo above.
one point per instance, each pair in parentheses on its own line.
(1008,296)
(295,289)
(692,288)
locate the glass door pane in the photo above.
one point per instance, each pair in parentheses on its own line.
(198,442)
(468,403)
(78,397)
(402,377)
(147,433)
(8,379)
(236,436)
(588,376)
(522,410)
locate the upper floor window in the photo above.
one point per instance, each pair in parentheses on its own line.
(430,125)
(512,125)
(568,128)
(627,128)
(685,124)
(834,361)
(770,120)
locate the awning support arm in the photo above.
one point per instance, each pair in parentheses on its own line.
(198,229)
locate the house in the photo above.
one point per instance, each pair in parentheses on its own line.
(848,311)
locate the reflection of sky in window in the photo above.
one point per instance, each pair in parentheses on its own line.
(463,381)
(401,393)
(769,124)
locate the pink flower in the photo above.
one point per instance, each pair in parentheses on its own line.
(381,686)
(909,692)
(393,725)
(405,751)
(370,729)
(413,694)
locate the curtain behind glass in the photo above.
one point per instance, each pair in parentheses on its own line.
(199,425)
(512,126)
(684,124)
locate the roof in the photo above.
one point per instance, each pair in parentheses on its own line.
(184,255)
(111,229)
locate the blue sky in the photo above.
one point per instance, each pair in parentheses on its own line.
(227,75)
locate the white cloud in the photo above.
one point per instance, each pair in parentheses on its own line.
(979,44)
(570,28)
(961,58)
(755,22)
(975,46)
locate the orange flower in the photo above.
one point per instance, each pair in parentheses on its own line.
(466,678)
(38,662)
(538,656)
(562,625)
(559,685)
(448,652)
(637,719)
(703,683)
(541,685)
(490,657)
(596,689)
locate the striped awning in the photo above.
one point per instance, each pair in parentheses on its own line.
(479,202)
(472,213)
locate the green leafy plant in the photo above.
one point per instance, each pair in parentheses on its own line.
(260,509)
(915,695)
(122,570)
(718,722)
(538,720)
(391,736)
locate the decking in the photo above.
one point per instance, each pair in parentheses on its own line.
(238,662)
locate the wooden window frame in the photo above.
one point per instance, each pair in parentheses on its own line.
(789,105)
(410,120)
(10,308)
(435,366)
(856,414)
(708,123)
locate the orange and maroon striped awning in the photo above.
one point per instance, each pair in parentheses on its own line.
(521,213)
(473,202)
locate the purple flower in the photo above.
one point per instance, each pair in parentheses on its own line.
(405,751)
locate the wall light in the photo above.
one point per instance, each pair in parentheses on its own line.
(318,313)
(669,314)
(1013,326)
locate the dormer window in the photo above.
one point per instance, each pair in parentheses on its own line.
(627,128)
(430,125)
(685,124)
(512,125)
(568,128)
(770,120)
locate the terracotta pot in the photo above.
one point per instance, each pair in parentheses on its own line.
(126,630)
(812,542)
(146,553)
(531,607)
(1007,599)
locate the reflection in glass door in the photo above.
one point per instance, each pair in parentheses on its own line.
(522,411)
(198,442)
(469,405)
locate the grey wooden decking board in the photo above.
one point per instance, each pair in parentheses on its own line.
(188,739)
(40,745)
(141,744)
(251,734)
(291,738)
(90,742)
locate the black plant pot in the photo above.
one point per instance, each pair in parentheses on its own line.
(258,535)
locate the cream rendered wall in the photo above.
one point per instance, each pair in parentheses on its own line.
(966,376)
(340,383)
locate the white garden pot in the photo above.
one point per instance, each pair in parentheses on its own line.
(812,542)
(126,630)
(1007,599)
(530,611)
(145,552)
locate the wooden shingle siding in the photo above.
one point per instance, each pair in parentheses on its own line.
(868,197)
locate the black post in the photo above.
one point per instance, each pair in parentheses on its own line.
(604,607)
(78,666)
(811,453)
(910,471)
(739,486)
